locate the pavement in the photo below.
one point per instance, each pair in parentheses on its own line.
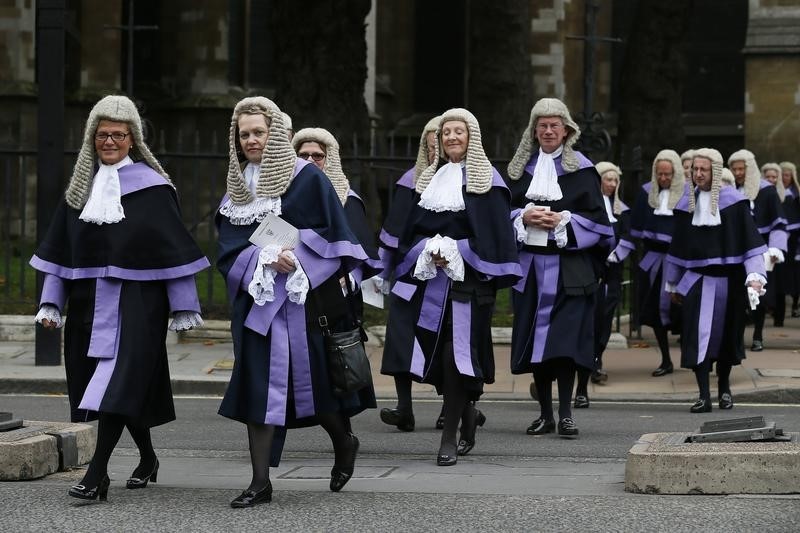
(200,365)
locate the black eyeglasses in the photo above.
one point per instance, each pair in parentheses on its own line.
(316,156)
(117,136)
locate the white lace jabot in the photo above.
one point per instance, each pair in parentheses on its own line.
(663,204)
(702,211)
(104,205)
(544,182)
(443,193)
(609,210)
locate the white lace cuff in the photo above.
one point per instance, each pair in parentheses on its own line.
(297,285)
(262,286)
(753,297)
(670,287)
(49,312)
(186,320)
(380,284)
(447,248)
(522,233)
(778,253)
(612,258)
(755,276)
(560,231)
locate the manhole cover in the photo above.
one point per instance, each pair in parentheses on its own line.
(324,472)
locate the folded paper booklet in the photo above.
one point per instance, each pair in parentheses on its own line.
(275,230)
(768,264)
(537,236)
(370,296)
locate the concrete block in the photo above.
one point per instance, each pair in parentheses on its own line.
(41,448)
(665,463)
(617,341)
(28,458)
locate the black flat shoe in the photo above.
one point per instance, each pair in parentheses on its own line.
(401,420)
(662,371)
(599,376)
(465,444)
(758,346)
(340,475)
(540,426)
(725,401)
(567,429)
(446,460)
(141,482)
(101,490)
(701,406)
(581,402)
(249,498)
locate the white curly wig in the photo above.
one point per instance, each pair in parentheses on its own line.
(333,162)
(117,109)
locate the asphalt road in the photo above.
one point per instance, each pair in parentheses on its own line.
(510,482)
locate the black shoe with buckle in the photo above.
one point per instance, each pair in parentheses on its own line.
(467,440)
(726,401)
(663,371)
(701,406)
(404,421)
(249,498)
(540,426)
(340,475)
(758,346)
(141,482)
(567,428)
(581,401)
(84,493)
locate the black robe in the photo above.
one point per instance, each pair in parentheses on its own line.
(121,281)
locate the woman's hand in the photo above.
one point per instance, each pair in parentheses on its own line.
(284,264)
(757,286)
(541,218)
(439,261)
(676,298)
(48,324)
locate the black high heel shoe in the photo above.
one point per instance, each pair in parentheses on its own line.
(249,498)
(467,441)
(341,475)
(701,406)
(140,483)
(101,490)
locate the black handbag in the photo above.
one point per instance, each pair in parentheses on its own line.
(348,364)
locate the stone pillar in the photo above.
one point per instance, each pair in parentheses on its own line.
(17,72)
(772,80)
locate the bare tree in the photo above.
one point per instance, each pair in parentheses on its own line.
(652,81)
(500,74)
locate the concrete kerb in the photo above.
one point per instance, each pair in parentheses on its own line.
(41,448)
(665,463)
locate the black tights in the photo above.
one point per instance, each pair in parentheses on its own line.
(456,406)
(663,345)
(702,374)
(402,382)
(582,388)
(561,370)
(759,315)
(259,438)
(337,425)
(109,430)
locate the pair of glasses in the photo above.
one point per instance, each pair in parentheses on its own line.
(316,156)
(117,136)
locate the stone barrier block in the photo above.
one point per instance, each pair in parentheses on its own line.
(42,448)
(665,463)
(28,458)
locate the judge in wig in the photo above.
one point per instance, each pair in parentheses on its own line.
(118,255)
(454,250)
(280,376)
(714,266)
(561,224)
